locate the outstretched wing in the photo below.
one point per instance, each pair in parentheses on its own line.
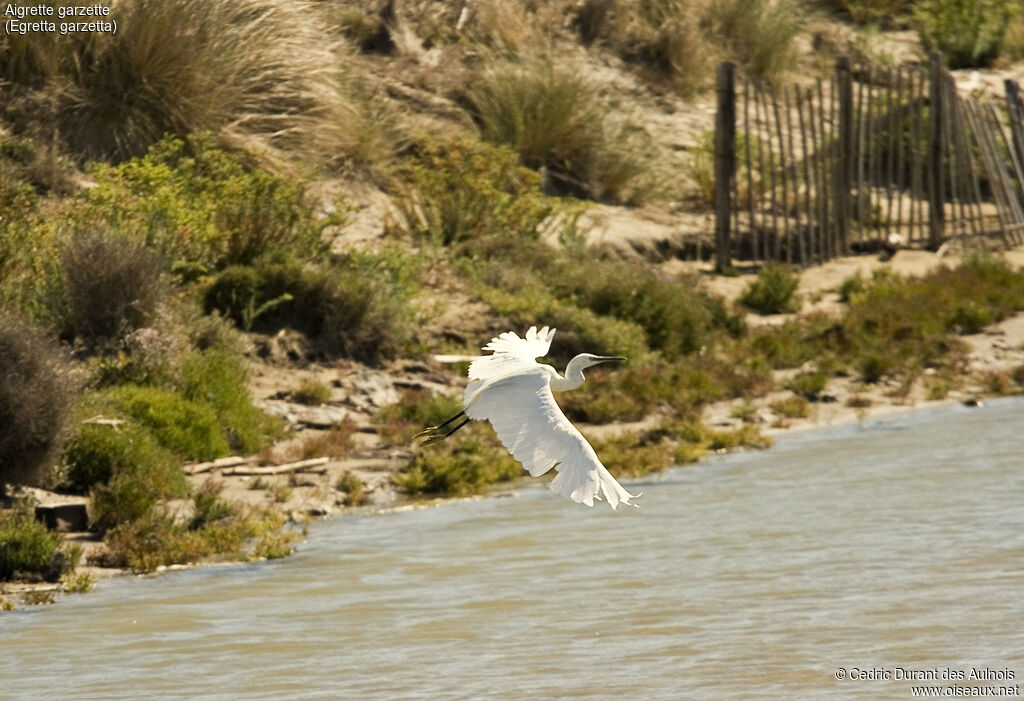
(535,345)
(529,422)
(510,354)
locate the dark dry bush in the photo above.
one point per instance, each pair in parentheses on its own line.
(36,393)
(356,309)
(110,286)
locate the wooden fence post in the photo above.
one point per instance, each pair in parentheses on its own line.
(1015,110)
(844,161)
(725,161)
(936,151)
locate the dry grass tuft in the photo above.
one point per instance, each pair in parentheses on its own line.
(264,75)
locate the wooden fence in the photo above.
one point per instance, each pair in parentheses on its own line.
(870,158)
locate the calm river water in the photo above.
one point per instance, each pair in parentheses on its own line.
(881,549)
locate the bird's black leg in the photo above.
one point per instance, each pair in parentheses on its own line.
(466,421)
(461,413)
(435,433)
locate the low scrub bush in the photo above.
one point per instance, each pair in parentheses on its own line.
(550,117)
(579,329)
(98,453)
(218,379)
(677,317)
(461,189)
(189,429)
(969,33)
(359,308)
(793,407)
(354,488)
(635,453)
(37,390)
(773,292)
(156,539)
(461,465)
(201,208)
(311,393)
(110,286)
(27,549)
(631,393)
(808,384)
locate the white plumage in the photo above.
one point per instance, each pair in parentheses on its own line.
(513,391)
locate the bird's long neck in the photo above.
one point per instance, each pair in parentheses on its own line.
(573,378)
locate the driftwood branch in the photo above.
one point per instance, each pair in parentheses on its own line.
(218,464)
(300,466)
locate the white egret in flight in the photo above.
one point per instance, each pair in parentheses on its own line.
(513,391)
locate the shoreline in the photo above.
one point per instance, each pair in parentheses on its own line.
(358,392)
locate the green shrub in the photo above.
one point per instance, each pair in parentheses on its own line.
(37,389)
(354,488)
(311,392)
(359,308)
(156,539)
(267,79)
(550,117)
(110,286)
(677,317)
(27,548)
(635,453)
(187,428)
(461,465)
(579,330)
(219,379)
(632,393)
(850,287)
(969,33)
(789,344)
(773,292)
(201,208)
(808,384)
(794,407)
(209,507)
(461,189)
(97,453)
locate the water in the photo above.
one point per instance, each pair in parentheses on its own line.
(896,545)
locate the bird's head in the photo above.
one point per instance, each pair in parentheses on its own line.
(586,360)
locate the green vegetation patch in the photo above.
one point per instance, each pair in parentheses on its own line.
(461,465)
(157,539)
(359,307)
(969,33)
(27,549)
(185,427)
(773,292)
(201,208)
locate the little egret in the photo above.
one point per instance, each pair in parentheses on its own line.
(513,391)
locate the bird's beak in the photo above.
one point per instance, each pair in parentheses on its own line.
(606,358)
